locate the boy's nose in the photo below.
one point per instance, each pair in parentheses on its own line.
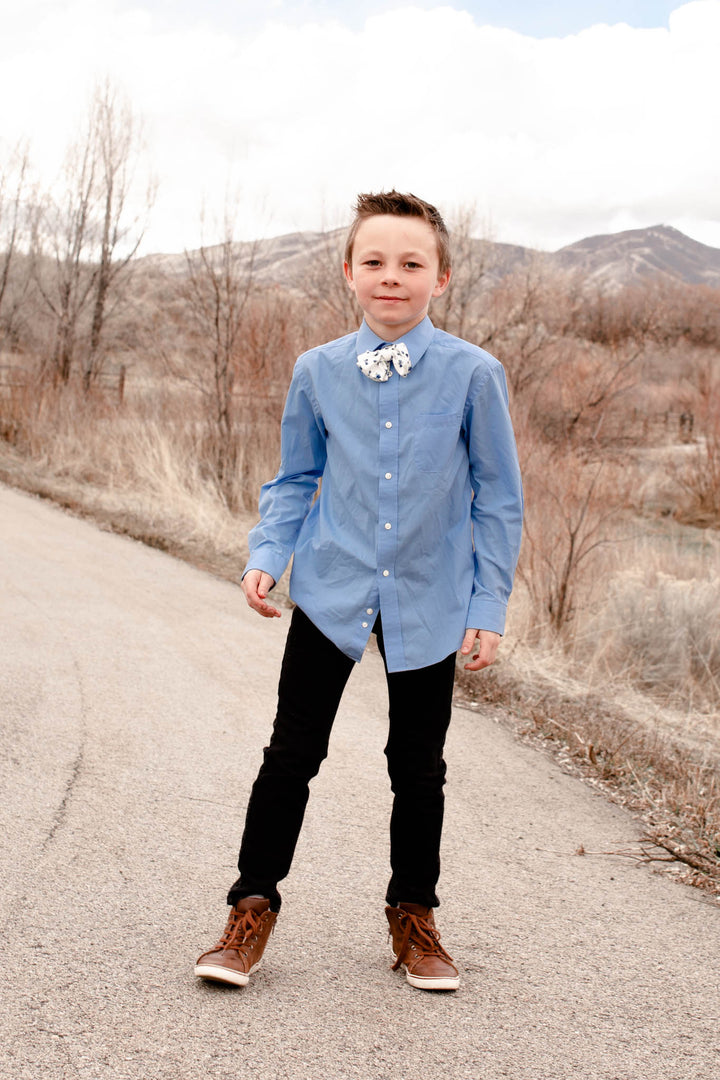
(390,277)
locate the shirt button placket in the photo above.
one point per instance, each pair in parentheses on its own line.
(388,489)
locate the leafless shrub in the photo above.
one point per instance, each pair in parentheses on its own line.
(214,297)
(588,385)
(571,508)
(662,633)
(526,319)
(231,343)
(698,477)
(461,309)
(322,283)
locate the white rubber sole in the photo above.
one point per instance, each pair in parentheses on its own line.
(450,982)
(225,975)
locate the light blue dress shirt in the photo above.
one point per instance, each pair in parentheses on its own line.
(419,512)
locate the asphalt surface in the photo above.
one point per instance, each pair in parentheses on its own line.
(136,694)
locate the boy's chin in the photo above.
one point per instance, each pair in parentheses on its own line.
(395,322)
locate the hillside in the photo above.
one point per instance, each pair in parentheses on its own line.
(627,257)
(610,261)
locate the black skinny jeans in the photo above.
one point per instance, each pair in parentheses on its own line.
(313,676)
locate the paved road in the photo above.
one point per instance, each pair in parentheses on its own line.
(135,695)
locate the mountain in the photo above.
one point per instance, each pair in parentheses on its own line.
(609,261)
(276,261)
(630,257)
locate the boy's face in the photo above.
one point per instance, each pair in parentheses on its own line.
(395,272)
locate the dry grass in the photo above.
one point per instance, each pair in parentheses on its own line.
(135,471)
(660,631)
(660,761)
(699,480)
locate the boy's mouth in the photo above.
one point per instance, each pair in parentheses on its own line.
(393,298)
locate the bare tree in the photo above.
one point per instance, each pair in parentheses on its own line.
(527,315)
(610,374)
(61,252)
(85,237)
(116,147)
(13,234)
(216,293)
(321,281)
(460,310)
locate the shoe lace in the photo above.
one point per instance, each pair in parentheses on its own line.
(420,937)
(241,927)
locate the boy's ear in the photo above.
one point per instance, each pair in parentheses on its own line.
(347,270)
(442,283)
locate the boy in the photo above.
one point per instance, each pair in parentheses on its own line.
(414,537)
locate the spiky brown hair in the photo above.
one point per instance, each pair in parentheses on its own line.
(400,205)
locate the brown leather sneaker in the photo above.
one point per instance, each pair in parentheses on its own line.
(417,948)
(237,954)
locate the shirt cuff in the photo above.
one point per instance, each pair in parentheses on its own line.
(484,614)
(267,561)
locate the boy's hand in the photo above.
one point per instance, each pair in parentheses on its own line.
(487,647)
(256,585)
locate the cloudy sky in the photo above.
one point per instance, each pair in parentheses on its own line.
(555,120)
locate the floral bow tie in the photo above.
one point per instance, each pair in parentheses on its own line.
(378,363)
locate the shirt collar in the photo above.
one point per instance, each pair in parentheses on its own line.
(416,340)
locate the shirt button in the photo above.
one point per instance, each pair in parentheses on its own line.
(388,525)
(388,423)
(369,611)
(386,573)
(388,476)
(365,625)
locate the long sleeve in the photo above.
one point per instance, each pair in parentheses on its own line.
(286,500)
(497,506)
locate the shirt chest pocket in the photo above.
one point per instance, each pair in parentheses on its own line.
(435,440)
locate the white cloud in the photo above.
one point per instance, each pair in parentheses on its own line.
(552,138)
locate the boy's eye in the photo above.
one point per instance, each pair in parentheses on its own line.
(372,262)
(413,265)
